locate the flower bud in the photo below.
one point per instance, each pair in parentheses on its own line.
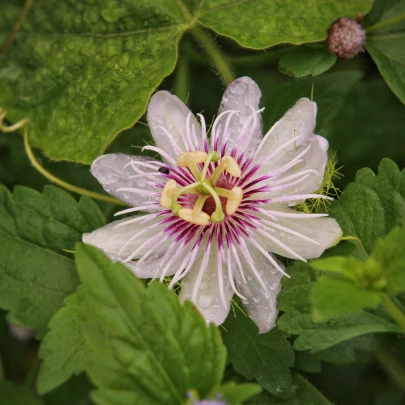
(346,38)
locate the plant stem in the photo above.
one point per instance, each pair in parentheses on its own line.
(17,26)
(386,23)
(53,179)
(392,366)
(214,52)
(394,311)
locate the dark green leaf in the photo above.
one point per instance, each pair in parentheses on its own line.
(264,357)
(10,394)
(146,347)
(386,42)
(307,362)
(36,274)
(306,61)
(305,394)
(63,348)
(369,208)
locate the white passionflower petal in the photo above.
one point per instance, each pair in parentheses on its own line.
(203,287)
(217,206)
(242,96)
(261,305)
(307,237)
(173,126)
(132,179)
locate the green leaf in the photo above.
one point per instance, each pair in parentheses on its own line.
(386,41)
(269,22)
(295,301)
(13,395)
(76,391)
(306,61)
(264,357)
(369,208)
(146,347)
(333,297)
(235,394)
(36,274)
(63,348)
(78,101)
(389,254)
(307,362)
(305,394)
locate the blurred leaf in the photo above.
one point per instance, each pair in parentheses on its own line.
(146,347)
(389,254)
(237,393)
(11,394)
(386,42)
(306,61)
(332,297)
(264,357)
(36,275)
(305,394)
(63,348)
(362,284)
(83,73)
(295,302)
(306,361)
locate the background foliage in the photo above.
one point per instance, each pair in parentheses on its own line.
(83,72)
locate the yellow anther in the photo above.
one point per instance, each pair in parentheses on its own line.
(233,200)
(196,157)
(194,217)
(231,166)
(166,198)
(191,160)
(227,164)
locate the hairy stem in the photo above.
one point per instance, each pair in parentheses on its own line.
(214,52)
(17,26)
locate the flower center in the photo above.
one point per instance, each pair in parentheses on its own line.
(205,188)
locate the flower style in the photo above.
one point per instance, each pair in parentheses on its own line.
(218,207)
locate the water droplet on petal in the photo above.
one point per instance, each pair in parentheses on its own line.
(205,300)
(250,278)
(257,299)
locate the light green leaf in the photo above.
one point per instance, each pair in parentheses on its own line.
(345,266)
(269,22)
(10,394)
(146,347)
(389,254)
(332,297)
(306,394)
(235,394)
(264,357)
(63,348)
(36,274)
(306,61)
(386,42)
(83,73)
(295,301)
